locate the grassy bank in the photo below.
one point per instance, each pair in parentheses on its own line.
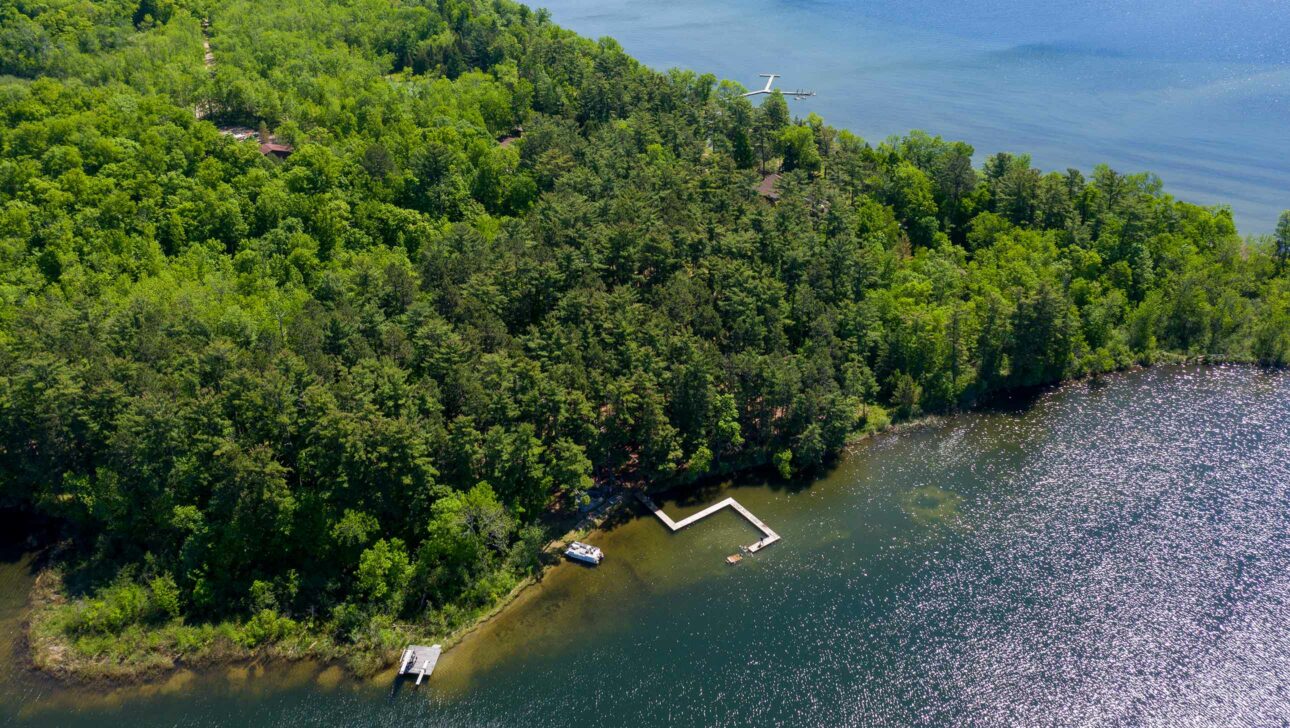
(65,640)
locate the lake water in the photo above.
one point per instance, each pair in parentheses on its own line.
(1197,92)
(1109,554)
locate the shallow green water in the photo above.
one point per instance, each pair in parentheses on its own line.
(1109,555)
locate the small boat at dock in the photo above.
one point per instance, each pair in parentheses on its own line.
(584,552)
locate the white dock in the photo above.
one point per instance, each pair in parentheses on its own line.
(770,80)
(420,661)
(770,536)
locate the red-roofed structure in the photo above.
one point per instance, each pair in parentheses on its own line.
(281,151)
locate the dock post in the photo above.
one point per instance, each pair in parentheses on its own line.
(420,660)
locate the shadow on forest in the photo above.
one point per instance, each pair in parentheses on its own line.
(706,490)
(618,518)
(1015,403)
(22,533)
(613,520)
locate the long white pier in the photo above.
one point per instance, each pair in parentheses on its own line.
(769,536)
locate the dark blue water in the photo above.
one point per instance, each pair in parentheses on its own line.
(1195,92)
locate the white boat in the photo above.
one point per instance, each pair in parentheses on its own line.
(584,552)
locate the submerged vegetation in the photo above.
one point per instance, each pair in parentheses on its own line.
(318,403)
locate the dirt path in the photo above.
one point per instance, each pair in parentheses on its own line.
(202,110)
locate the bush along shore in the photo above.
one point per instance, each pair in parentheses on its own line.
(307,347)
(132,631)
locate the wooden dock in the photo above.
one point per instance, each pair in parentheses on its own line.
(769,536)
(420,661)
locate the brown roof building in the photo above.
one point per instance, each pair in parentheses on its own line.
(281,151)
(767,187)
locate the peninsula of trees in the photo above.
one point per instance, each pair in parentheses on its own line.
(335,394)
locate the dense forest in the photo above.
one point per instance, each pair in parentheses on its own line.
(501,264)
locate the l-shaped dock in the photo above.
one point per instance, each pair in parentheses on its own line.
(769,536)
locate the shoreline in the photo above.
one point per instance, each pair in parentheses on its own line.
(589,525)
(50,654)
(51,657)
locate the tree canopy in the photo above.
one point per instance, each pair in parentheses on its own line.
(349,383)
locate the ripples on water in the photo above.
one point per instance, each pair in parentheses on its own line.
(1114,555)
(1118,555)
(1131,568)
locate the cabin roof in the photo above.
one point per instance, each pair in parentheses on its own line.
(510,138)
(275,148)
(767,187)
